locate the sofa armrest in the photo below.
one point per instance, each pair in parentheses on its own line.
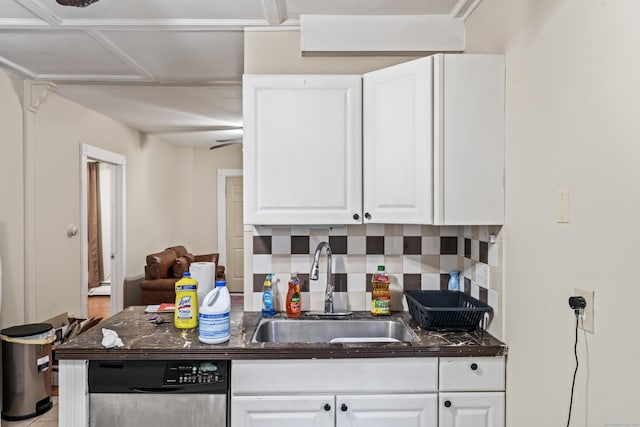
(220,272)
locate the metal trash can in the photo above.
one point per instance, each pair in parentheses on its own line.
(26,370)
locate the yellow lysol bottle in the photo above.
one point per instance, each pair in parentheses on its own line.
(185,315)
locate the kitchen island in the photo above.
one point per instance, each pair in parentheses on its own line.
(147,340)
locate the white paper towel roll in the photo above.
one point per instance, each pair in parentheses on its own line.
(205,274)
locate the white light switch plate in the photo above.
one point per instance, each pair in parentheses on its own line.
(586,322)
(563,206)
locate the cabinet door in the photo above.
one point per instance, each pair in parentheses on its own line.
(469,139)
(397,144)
(302,156)
(471,410)
(393,410)
(282,411)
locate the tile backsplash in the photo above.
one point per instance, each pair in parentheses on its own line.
(415,256)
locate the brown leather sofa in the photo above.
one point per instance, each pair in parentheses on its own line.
(165,268)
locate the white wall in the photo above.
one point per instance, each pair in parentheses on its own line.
(162,207)
(11,203)
(572,106)
(278,52)
(59,127)
(205,203)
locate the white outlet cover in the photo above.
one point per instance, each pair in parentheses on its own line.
(587,323)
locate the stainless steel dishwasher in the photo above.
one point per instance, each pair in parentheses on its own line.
(161,393)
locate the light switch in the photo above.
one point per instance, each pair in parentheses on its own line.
(563,206)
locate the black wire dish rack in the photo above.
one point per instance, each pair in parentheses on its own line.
(448,310)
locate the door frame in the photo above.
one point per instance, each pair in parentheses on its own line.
(222,211)
(118,209)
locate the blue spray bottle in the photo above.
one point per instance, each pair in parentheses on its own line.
(454,281)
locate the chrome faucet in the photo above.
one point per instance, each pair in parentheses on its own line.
(314,274)
(315,269)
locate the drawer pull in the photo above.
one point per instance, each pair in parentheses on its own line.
(474,366)
(447,403)
(344,408)
(327,407)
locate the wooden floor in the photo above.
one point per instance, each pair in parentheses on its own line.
(99,306)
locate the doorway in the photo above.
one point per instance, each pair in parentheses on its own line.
(102,179)
(99,223)
(231,227)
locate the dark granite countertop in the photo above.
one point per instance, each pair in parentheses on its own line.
(145,340)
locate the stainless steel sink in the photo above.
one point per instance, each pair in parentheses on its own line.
(332,331)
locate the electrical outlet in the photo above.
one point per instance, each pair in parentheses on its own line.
(586,322)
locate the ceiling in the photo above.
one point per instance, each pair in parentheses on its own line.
(170,68)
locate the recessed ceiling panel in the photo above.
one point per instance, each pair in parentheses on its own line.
(185,55)
(60,53)
(162,109)
(11,11)
(160,9)
(295,8)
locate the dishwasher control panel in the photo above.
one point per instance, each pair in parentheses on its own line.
(186,372)
(159,376)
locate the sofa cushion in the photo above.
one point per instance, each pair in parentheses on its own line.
(180,267)
(179,250)
(159,265)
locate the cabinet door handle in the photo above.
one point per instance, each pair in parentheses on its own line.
(356,216)
(344,407)
(367,215)
(447,403)
(327,407)
(474,366)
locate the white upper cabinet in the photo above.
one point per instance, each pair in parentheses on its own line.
(418,143)
(397,147)
(434,141)
(468,129)
(302,149)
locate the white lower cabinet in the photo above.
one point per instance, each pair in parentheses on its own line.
(473,409)
(404,410)
(385,392)
(408,410)
(283,411)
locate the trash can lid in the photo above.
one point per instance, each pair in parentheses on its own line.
(27,330)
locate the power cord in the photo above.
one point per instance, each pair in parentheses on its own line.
(575,372)
(577,304)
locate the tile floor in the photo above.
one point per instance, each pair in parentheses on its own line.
(48,419)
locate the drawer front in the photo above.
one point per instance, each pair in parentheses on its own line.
(472,374)
(391,375)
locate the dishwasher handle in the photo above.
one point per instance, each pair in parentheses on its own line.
(155,389)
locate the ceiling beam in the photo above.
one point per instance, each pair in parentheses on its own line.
(402,34)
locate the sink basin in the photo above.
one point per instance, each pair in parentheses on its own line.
(332,331)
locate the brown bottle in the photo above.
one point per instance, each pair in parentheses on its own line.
(380,293)
(294,300)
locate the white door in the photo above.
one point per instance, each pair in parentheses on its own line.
(234,267)
(402,410)
(398,143)
(282,411)
(302,149)
(472,409)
